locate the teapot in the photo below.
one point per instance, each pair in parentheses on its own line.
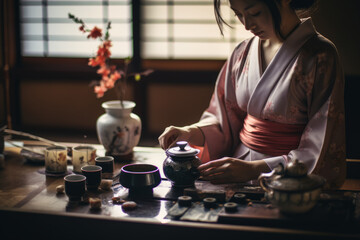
(291,189)
(180,165)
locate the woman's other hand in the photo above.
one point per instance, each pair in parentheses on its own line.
(192,134)
(232,170)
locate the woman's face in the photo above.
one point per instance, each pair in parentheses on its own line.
(255,16)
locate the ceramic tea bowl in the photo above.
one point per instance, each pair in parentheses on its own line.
(291,189)
(140,178)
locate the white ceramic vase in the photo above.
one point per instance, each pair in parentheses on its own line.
(119,129)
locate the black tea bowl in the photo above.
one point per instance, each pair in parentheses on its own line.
(140,178)
(75,185)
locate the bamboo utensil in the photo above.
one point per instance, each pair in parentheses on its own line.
(10,131)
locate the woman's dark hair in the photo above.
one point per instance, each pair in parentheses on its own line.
(302,8)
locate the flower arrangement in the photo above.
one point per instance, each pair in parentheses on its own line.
(111,76)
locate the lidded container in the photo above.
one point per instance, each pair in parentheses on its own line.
(291,188)
(181,163)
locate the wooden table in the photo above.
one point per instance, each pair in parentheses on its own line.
(30,205)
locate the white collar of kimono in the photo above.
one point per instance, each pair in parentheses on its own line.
(277,66)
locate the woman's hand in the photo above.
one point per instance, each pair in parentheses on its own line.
(231,170)
(192,134)
(173,134)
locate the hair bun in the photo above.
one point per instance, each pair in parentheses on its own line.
(302,4)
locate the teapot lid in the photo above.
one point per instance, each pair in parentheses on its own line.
(296,168)
(288,184)
(294,178)
(182,150)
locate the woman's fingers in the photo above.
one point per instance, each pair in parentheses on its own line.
(219,171)
(219,178)
(167,138)
(229,170)
(171,135)
(171,141)
(215,170)
(212,164)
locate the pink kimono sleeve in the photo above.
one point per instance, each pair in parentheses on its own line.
(223,119)
(322,144)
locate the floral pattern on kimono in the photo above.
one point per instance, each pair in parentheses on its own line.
(303,84)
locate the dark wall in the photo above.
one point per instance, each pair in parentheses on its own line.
(339,21)
(352,116)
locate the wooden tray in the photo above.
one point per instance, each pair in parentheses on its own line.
(331,210)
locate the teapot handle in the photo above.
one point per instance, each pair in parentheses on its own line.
(264,176)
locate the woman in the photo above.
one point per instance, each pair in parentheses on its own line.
(278,97)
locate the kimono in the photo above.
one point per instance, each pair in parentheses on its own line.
(302,87)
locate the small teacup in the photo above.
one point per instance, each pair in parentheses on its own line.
(93,176)
(107,165)
(56,159)
(82,156)
(75,186)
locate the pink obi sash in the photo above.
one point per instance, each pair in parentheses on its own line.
(270,137)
